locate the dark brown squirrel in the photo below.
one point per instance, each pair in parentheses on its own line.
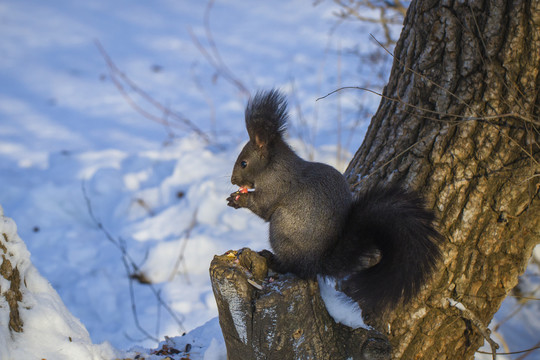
(380,245)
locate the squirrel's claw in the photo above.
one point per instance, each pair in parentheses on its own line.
(232,202)
(237,200)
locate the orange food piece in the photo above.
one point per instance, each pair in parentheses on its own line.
(242,190)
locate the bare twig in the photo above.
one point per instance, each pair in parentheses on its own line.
(463,102)
(130,267)
(133,303)
(303,131)
(339,119)
(468,315)
(356,9)
(214,58)
(461,117)
(520,305)
(180,257)
(208,99)
(120,79)
(525,352)
(534,123)
(158,316)
(528,351)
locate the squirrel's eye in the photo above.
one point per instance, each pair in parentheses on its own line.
(243,164)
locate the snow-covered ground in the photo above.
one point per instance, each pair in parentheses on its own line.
(96,183)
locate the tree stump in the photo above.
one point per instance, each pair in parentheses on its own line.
(281,317)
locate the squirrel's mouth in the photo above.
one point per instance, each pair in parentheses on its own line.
(246,189)
(248,186)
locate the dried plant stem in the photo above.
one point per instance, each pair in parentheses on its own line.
(130,267)
(121,80)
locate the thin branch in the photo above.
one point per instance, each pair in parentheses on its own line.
(158,317)
(460,100)
(339,110)
(119,79)
(180,257)
(223,66)
(462,117)
(519,116)
(355,9)
(304,132)
(526,351)
(518,308)
(468,315)
(208,99)
(526,119)
(130,266)
(529,351)
(133,303)
(214,58)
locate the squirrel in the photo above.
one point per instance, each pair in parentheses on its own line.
(380,245)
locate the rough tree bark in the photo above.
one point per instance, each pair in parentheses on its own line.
(459,122)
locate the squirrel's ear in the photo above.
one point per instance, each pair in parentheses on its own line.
(266,117)
(262,146)
(259,142)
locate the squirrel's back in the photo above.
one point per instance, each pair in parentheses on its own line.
(309,218)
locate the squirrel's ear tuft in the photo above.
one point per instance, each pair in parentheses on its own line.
(266,117)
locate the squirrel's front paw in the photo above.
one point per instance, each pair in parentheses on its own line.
(237,199)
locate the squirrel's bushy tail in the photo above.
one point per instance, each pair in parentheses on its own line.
(390,247)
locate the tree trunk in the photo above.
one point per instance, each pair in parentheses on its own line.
(459,122)
(283,319)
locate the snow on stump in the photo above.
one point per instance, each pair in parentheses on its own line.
(281,319)
(34,322)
